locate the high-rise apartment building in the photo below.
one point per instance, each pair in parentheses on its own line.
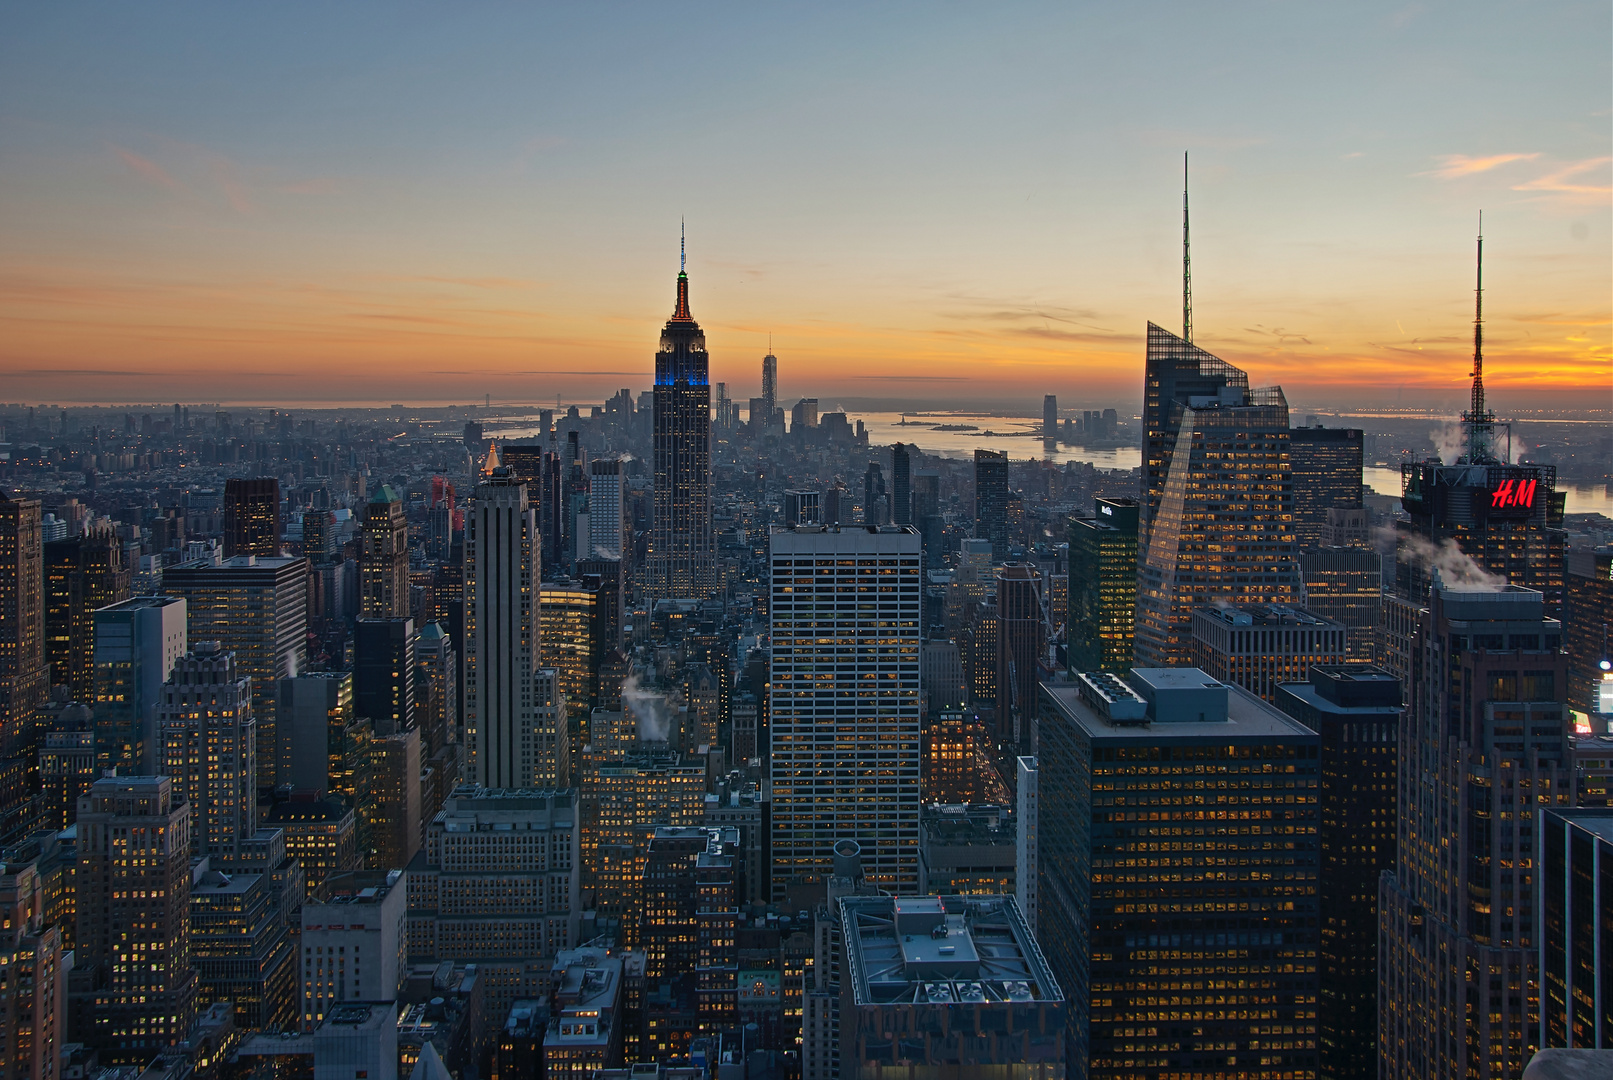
(1484,749)
(252,517)
(255,607)
(1021,649)
(497,885)
(137,644)
(1346,584)
(1576,932)
(24,673)
(1136,897)
(502,578)
(991,501)
(1103,587)
(82,574)
(209,748)
(844,700)
(1326,475)
(682,549)
(1355,708)
(353,942)
(383,569)
(1222,528)
(1259,646)
(133,937)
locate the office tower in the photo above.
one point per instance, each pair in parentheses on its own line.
(137,643)
(1174,372)
(33,996)
(1129,905)
(24,673)
(321,834)
(354,943)
(953,743)
(691,912)
(800,508)
(991,501)
(1103,586)
(836,504)
(242,951)
(1222,530)
(1588,633)
(1485,745)
(916,964)
(941,675)
(383,673)
(209,747)
(1355,708)
(1345,584)
(66,737)
(804,415)
(1506,518)
(876,506)
(497,885)
(436,694)
(967,849)
(1259,646)
(769,384)
(901,485)
(252,517)
(845,748)
(391,803)
(357,1040)
(613,584)
(682,552)
(1050,417)
(624,796)
(1027,810)
(133,937)
(1576,934)
(256,608)
(573,632)
(501,633)
(315,710)
(383,568)
(318,535)
(610,529)
(82,573)
(1021,649)
(1326,474)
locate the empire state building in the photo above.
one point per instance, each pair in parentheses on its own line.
(682,559)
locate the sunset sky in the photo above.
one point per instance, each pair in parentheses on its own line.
(973,203)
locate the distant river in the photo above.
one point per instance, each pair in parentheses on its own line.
(1017,436)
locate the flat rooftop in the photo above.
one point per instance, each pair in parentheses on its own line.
(1248,717)
(943,951)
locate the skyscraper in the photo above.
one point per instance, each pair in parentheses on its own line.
(769,383)
(384,561)
(501,633)
(137,643)
(24,674)
(133,938)
(1222,525)
(844,701)
(1021,645)
(1050,417)
(876,505)
(610,533)
(1484,747)
(572,621)
(1326,476)
(1136,899)
(33,996)
(255,607)
(1174,370)
(682,550)
(82,573)
(1259,646)
(1346,584)
(1576,863)
(252,517)
(383,673)
(901,486)
(1103,587)
(209,748)
(991,501)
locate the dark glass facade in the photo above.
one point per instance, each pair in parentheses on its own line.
(1173,371)
(1326,475)
(1103,586)
(1576,918)
(991,501)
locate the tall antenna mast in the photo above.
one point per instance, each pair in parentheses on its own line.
(1478,420)
(683,251)
(1187,263)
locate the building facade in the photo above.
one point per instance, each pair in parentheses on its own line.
(383,569)
(252,517)
(1103,587)
(1259,646)
(682,548)
(210,748)
(1576,928)
(82,574)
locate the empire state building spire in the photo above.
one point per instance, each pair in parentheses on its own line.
(680,313)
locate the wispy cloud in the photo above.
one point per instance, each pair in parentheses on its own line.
(148,169)
(1453,166)
(914,378)
(1570,180)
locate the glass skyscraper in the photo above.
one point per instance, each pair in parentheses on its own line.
(1103,586)
(682,551)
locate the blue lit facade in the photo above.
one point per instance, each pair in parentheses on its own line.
(682,550)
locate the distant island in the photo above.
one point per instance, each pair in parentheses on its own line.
(957,427)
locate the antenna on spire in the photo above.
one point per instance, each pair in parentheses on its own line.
(1187,263)
(1478,420)
(683,251)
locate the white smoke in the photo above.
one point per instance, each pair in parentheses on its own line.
(649,708)
(1450,441)
(603,552)
(1456,568)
